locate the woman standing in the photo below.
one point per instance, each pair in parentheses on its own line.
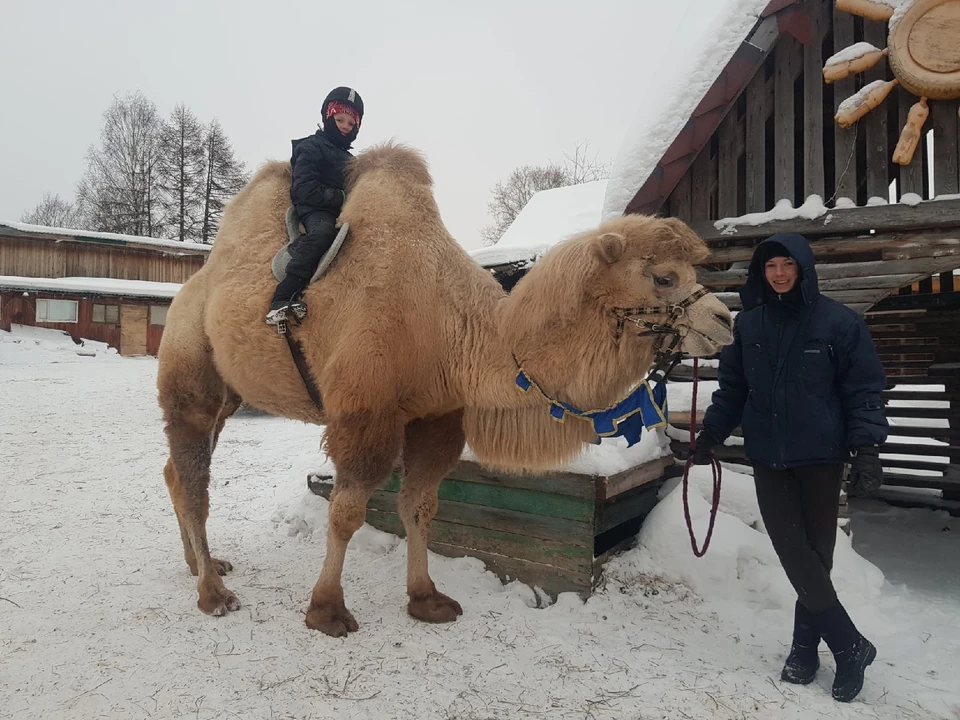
(804,381)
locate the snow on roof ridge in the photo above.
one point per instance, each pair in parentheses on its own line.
(708,41)
(549,217)
(100,286)
(131,239)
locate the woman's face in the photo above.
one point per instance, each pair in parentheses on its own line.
(781,273)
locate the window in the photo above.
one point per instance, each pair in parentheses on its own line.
(57,311)
(106,314)
(158,314)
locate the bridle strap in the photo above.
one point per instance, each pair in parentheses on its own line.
(665,358)
(673,313)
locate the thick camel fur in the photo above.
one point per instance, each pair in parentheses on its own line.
(415,349)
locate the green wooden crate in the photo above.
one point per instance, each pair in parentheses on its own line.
(553,531)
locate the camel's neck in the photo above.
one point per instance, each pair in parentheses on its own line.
(572,354)
(574,358)
(487,369)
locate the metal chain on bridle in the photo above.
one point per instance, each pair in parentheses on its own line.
(666,354)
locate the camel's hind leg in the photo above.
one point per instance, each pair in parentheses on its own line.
(195,406)
(431,448)
(364,447)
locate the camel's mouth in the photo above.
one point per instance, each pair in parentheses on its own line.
(701,342)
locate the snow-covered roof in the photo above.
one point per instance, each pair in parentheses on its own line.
(95,286)
(549,217)
(702,45)
(17,229)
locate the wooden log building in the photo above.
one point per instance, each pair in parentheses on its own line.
(97,286)
(762,143)
(765,133)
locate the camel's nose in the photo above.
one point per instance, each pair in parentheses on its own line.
(724,320)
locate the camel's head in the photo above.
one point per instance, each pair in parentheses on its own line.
(644,272)
(590,315)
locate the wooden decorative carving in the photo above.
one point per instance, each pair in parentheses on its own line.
(924,55)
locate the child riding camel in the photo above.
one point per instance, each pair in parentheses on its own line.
(318,163)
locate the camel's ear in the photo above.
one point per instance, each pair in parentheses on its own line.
(610,246)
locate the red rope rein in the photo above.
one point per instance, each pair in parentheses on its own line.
(715,466)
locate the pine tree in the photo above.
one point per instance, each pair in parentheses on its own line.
(181,171)
(225,176)
(118,192)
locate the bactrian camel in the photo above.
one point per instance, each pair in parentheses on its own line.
(414,349)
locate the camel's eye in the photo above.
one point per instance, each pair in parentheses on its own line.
(663,281)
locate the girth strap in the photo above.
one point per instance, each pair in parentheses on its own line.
(300,360)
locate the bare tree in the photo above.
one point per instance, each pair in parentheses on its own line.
(583,167)
(181,173)
(510,196)
(52,211)
(118,192)
(225,176)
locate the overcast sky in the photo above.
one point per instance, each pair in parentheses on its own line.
(480,87)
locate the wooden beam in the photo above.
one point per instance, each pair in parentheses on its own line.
(859,297)
(759,104)
(919,449)
(681,199)
(945,147)
(834,271)
(946,301)
(788,62)
(919,395)
(813,180)
(844,139)
(931,214)
(949,247)
(920,481)
(728,165)
(911,176)
(887,247)
(700,185)
(875,123)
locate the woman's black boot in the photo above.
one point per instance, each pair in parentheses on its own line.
(852,651)
(804,660)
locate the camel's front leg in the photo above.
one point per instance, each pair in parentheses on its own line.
(431,449)
(187,474)
(363,448)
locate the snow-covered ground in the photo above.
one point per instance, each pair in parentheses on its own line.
(98,616)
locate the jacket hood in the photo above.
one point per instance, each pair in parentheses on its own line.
(755,289)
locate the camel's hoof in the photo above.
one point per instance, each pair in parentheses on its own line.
(221,566)
(331,619)
(218,601)
(434,608)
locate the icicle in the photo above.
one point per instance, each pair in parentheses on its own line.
(867,9)
(852,60)
(868,97)
(910,135)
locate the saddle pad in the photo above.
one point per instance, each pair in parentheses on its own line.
(282,258)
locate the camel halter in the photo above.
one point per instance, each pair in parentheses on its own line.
(664,358)
(643,406)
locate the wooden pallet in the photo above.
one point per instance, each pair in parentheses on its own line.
(554,531)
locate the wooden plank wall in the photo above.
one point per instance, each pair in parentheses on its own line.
(781,141)
(24,257)
(16,309)
(920,351)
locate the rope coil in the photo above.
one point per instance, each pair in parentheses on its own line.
(715,466)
